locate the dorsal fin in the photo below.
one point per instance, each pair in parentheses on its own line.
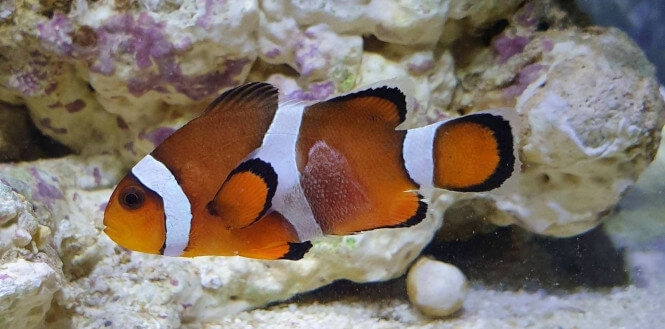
(206,149)
(385,103)
(247,95)
(380,102)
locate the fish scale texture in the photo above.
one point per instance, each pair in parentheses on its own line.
(111,79)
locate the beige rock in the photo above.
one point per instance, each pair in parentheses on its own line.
(591,117)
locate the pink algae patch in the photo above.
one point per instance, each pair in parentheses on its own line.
(507,47)
(526,76)
(75,106)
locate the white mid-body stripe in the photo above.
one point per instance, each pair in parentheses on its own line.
(418,154)
(177,209)
(279,149)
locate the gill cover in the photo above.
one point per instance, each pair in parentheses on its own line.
(134,217)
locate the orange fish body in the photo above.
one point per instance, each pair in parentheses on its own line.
(258,178)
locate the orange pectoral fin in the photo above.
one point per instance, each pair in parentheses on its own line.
(246,194)
(474,153)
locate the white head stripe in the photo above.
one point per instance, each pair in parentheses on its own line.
(157,177)
(418,154)
(279,149)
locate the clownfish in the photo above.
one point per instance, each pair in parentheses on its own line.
(259,178)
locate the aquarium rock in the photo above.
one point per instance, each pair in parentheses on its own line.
(591,123)
(435,288)
(26,291)
(110,80)
(30,270)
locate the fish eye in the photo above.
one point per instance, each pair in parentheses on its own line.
(131,198)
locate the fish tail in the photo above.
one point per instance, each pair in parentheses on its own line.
(472,153)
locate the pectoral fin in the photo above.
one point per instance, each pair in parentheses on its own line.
(246,194)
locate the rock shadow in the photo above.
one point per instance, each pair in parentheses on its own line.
(349,290)
(511,258)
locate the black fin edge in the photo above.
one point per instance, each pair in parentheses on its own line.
(161,250)
(260,168)
(297,250)
(390,93)
(505,141)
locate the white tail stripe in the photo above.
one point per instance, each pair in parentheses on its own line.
(177,209)
(418,154)
(279,149)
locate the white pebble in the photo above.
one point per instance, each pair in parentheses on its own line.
(435,288)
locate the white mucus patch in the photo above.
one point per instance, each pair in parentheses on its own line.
(177,209)
(279,149)
(418,154)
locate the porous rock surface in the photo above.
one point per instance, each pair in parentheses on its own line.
(591,123)
(111,79)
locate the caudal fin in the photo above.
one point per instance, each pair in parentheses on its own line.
(476,152)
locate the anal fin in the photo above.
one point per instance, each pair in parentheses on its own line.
(403,213)
(405,210)
(289,251)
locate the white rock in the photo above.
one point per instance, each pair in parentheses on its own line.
(26,291)
(8,202)
(436,288)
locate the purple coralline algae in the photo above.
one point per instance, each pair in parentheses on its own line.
(308,57)
(56,33)
(46,123)
(154,57)
(527,75)
(526,16)
(420,67)
(211,9)
(75,106)
(197,87)
(122,124)
(157,136)
(43,191)
(507,47)
(316,91)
